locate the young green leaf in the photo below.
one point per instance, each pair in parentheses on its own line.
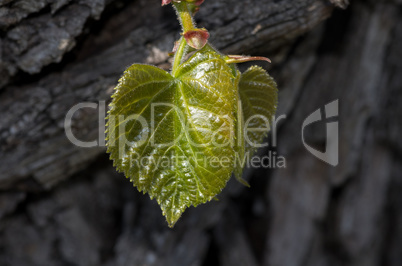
(173,135)
(240,147)
(259,98)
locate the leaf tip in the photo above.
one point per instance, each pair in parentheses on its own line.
(241,180)
(172,216)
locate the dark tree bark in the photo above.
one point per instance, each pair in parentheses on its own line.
(65,205)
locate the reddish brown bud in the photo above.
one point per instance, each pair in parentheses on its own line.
(196,38)
(234,59)
(166,2)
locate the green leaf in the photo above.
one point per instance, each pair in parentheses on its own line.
(240,149)
(259,98)
(163,130)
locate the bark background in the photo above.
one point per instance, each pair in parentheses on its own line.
(64,205)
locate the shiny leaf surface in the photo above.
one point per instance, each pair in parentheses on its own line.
(259,98)
(174,136)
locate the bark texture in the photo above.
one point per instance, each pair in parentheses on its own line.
(65,205)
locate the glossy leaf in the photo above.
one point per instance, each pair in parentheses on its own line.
(240,147)
(164,131)
(259,98)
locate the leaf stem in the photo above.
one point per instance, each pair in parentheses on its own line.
(179,55)
(184,15)
(187,23)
